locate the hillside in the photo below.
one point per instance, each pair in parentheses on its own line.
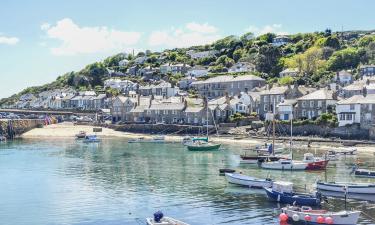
(317,56)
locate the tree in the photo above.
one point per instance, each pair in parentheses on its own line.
(229,42)
(225,61)
(286,80)
(238,54)
(267,60)
(344,59)
(308,62)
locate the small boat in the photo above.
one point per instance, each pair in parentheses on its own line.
(362,197)
(362,172)
(91,139)
(310,216)
(360,188)
(156,139)
(284,164)
(267,149)
(246,159)
(331,155)
(282,192)
(243,180)
(202,146)
(160,219)
(223,171)
(81,134)
(314,163)
(346,151)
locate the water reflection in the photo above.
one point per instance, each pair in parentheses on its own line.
(113,182)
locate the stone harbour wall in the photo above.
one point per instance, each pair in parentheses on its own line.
(12,128)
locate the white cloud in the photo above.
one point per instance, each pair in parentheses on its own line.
(189,35)
(85,40)
(273,28)
(45,26)
(9,40)
(201,28)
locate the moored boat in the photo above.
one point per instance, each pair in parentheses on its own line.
(156,139)
(226,170)
(360,188)
(243,180)
(247,159)
(282,192)
(91,139)
(314,163)
(202,146)
(160,219)
(310,216)
(81,134)
(362,172)
(284,164)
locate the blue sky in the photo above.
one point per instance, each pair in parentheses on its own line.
(41,39)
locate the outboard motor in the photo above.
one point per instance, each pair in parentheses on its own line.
(158,216)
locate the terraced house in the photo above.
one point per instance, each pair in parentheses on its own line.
(314,104)
(219,86)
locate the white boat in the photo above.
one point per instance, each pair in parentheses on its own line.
(345,151)
(360,188)
(243,180)
(156,139)
(309,215)
(285,164)
(165,221)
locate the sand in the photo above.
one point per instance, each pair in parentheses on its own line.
(69,130)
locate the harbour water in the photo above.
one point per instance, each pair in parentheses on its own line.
(65,181)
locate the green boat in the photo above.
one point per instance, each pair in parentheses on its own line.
(202,143)
(203,146)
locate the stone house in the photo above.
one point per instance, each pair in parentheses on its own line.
(314,104)
(197,71)
(358,109)
(99,101)
(220,85)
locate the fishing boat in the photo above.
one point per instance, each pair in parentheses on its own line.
(311,216)
(203,145)
(314,163)
(362,197)
(266,149)
(91,139)
(243,180)
(160,219)
(81,134)
(360,188)
(282,192)
(362,172)
(261,157)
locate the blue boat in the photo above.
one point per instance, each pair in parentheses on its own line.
(283,192)
(91,139)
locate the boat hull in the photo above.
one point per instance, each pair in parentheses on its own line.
(247,181)
(318,165)
(291,198)
(256,159)
(213,147)
(281,166)
(364,173)
(351,188)
(343,217)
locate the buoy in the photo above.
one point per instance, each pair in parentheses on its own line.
(320,219)
(329,220)
(295,217)
(283,217)
(307,218)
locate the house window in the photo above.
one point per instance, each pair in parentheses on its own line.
(304,113)
(218,112)
(349,116)
(351,107)
(311,104)
(342,116)
(303,104)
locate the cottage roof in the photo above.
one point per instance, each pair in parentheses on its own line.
(358,99)
(217,101)
(321,94)
(194,109)
(344,73)
(167,106)
(254,95)
(277,90)
(287,102)
(227,78)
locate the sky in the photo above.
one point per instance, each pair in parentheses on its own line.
(42,39)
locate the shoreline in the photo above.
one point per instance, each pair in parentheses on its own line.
(68,130)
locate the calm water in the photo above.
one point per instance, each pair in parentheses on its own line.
(69,182)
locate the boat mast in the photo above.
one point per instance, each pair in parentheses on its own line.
(291,134)
(273,126)
(207,120)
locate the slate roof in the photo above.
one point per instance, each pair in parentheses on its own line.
(321,94)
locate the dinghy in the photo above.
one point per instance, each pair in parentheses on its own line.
(282,192)
(310,216)
(243,180)
(360,188)
(362,172)
(159,219)
(91,139)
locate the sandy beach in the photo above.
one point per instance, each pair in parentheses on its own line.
(69,130)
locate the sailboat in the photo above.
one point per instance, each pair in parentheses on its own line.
(284,164)
(201,144)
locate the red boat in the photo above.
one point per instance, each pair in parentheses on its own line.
(314,163)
